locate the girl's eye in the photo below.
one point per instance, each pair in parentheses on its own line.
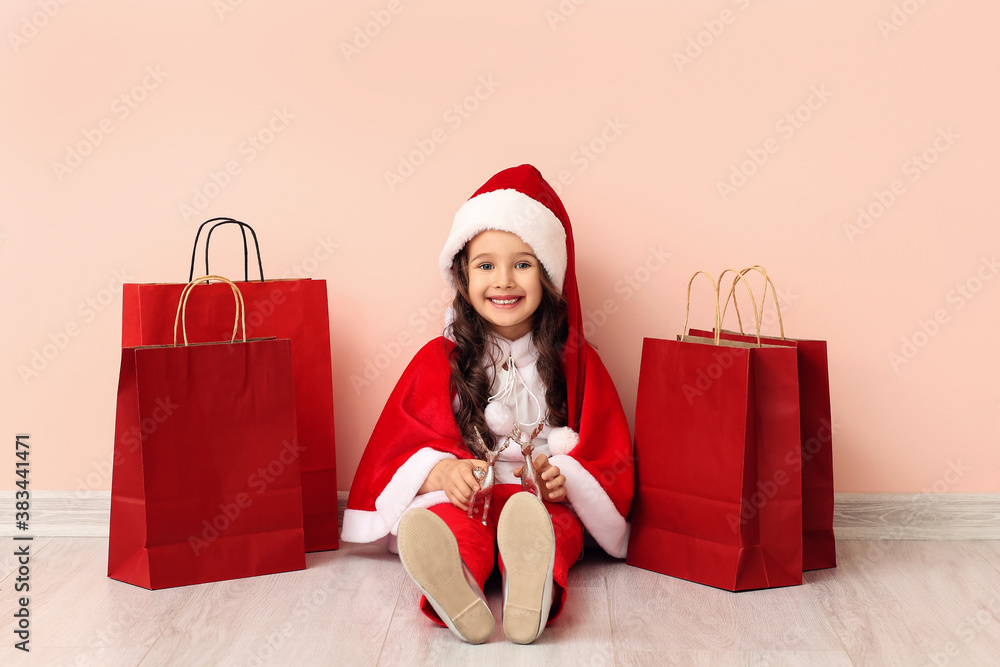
(523,265)
(486,266)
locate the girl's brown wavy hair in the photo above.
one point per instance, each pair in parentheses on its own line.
(471,333)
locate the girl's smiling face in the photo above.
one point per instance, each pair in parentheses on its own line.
(505,285)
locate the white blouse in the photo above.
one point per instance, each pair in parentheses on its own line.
(519,394)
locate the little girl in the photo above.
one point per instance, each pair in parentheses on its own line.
(512,364)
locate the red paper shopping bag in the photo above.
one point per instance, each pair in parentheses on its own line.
(718,486)
(819,548)
(205,482)
(295,309)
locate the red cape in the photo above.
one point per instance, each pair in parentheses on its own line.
(417,429)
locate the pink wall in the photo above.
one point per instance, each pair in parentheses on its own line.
(641,109)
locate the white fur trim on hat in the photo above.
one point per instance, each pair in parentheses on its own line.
(562,440)
(515,212)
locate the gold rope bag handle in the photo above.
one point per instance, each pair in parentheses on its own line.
(759,314)
(687,308)
(241,315)
(740,275)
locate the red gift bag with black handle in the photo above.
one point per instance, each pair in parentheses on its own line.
(296,309)
(205,483)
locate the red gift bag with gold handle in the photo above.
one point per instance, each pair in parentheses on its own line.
(296,309)
(205,482)
(819,546)
(718,494)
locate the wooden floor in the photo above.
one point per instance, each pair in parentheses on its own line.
(888,603)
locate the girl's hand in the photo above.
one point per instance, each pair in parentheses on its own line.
(551,483)
(455,478)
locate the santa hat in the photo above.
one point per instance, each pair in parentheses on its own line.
(518,200)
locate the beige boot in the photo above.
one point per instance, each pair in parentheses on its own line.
(430,555)
(527,546)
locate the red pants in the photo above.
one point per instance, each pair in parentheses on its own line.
(477,543)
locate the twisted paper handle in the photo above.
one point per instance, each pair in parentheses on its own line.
(241,315)
(715,288)
(740,275)
(687,308)
(760,314)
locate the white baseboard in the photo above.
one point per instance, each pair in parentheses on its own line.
(917,516)
(58,514)
(857,516)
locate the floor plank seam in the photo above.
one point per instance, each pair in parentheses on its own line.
(994,564)
(611,621)
(829,625)
(166,626)
(392,617)
(146,654)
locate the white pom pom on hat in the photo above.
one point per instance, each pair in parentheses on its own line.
(563,440)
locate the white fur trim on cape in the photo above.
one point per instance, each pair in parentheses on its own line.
(515,212)
(593,506)
(399,495)
(365,527)
(361,526)
(562,440)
